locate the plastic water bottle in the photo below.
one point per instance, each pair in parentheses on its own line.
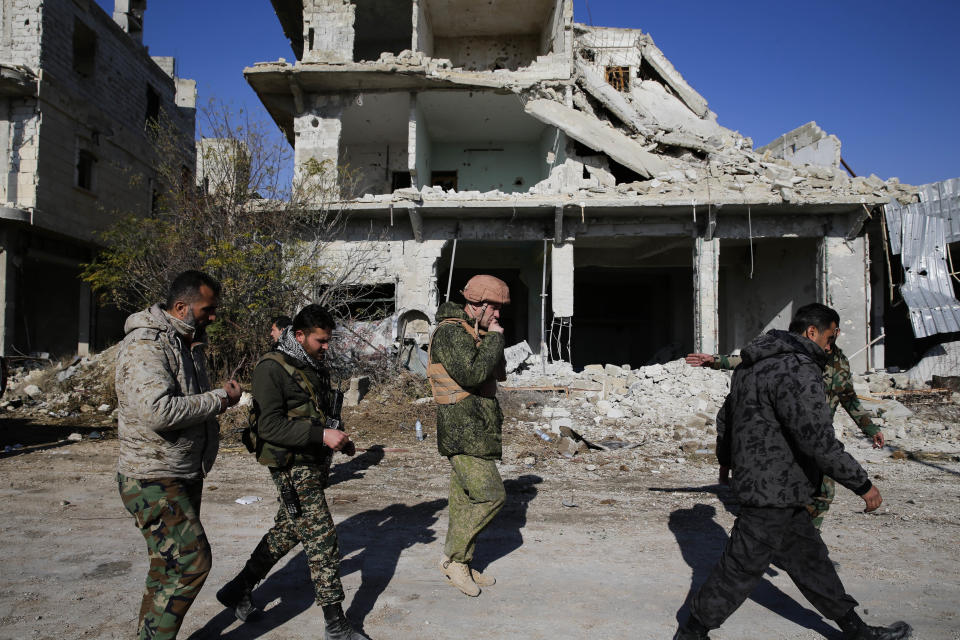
(542,435)
(419,428)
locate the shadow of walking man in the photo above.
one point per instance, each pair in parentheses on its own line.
(380,535)
(702,540)
(504,536)
(352,468)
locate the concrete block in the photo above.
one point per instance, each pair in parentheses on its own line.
(359,387)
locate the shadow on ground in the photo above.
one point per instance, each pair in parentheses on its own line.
(702,540)
(371,542)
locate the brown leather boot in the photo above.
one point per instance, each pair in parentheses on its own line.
(458,574)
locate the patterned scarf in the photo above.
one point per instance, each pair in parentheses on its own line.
(288,344)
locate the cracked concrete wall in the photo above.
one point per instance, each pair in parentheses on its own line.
(706,303)
(488,52)
(317,135)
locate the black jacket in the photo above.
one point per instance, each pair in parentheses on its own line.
(775,429)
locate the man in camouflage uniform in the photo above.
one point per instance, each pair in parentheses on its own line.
(169,437)
(292,401)
(838,382)
(775,433)
(465,362)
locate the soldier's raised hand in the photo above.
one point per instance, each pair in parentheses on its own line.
(698,359)
(336,439)
(232,387)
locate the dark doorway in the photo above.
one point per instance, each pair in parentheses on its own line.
(631,315)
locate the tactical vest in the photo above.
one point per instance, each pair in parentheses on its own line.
(279,456)
(445,389)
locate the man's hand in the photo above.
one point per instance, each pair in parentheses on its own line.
(338,441)
(724,476)
(699,359)
(233,394)
(872,499)
(495,326)
(878,440)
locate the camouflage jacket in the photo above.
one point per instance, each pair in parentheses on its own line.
(285,416)
(836,379)
(167,423)
(473,425)
(775,430)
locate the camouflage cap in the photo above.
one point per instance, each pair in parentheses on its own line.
(484,288)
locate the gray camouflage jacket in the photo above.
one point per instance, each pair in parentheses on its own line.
(775,429)
(167,423)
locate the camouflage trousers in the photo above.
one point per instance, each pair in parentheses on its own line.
(822,501)
(476,496)
(761,535)
(313,528)
(167,511)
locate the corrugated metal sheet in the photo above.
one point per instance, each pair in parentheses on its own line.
(920,232)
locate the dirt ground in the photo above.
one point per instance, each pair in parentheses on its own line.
(618,564)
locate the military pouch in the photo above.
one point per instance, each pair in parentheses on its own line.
(288,494)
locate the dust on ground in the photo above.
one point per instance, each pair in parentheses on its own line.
(598,543)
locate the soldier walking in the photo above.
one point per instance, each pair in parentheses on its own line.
(465,363)
(838,382)
(294,433)
(775,433)
(169,438)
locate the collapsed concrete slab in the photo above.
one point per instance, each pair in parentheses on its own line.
(594,134)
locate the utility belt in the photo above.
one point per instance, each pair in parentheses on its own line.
(445,389)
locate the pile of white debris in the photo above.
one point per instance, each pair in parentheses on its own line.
(671,408)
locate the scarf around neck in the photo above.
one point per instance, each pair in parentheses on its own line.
(287,344)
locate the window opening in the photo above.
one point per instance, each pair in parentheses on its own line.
(445,179)
(153,106)
(400,180)
(84,49)
(619,77)
(86,162)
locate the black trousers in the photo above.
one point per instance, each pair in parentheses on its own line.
(762,535)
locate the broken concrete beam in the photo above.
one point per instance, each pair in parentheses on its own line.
(358,389)
(598,136)
(665,69)
(612,99)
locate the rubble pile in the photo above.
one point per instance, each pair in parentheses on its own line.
(670,406)
(82,386)
(670,410)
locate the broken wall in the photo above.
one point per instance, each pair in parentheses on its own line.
(846,288)
(328,34)
(807,144)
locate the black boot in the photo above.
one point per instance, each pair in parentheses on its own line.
(236,595)
(338,627)
(854,628)
(692,629)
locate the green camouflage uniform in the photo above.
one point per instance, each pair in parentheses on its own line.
(167,510)
(838,382)
(287,424)
(469,432)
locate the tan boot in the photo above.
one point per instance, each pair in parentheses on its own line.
(482,579)
(458,574)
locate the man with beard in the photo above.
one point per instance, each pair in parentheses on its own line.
(775,433)
(465,363)
(169,438)
(292,402)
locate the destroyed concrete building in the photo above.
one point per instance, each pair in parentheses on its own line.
(78,89)
(577,164)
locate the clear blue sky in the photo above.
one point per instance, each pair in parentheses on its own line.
(881,74)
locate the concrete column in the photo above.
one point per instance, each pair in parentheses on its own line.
(706,307)
(8,292)
(84,320)
(317,140)
(846,288)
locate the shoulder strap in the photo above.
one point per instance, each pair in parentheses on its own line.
(298,376)
(463,323)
